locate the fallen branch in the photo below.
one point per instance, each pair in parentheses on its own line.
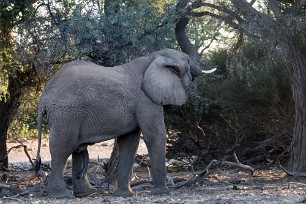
(10,188)
(238,164)
(243,166)
(203,173)
(295,174)
(196,176)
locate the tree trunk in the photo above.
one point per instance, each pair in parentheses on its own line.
(297,69)
(9,105)
(7,112)
(3,148)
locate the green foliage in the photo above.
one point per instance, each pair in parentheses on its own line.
(88,32)
(24,124)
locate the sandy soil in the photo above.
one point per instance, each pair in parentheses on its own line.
(99,150)
(222,185)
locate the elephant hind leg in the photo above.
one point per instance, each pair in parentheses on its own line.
(128,145)
(62,145)
(56,185)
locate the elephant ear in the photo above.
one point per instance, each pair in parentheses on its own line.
(162,84)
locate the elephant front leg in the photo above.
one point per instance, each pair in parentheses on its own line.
(81,186)
(151,122)
(157,151)
(128,145)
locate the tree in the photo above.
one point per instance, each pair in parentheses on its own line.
(14,76)
(279,24)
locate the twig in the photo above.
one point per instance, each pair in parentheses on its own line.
(24,149)
(197,176)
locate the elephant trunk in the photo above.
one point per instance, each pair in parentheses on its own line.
(182,39)
(187,47)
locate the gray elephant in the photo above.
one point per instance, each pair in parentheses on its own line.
(86,103)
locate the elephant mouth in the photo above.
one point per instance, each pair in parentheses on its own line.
(193,77)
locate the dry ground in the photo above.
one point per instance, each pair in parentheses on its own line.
(222,185)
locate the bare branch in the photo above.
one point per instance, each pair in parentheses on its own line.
(25,151)
(213,38)
(219,8)
(222,18)
(231,55)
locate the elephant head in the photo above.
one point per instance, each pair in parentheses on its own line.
(169,74)
(167,77)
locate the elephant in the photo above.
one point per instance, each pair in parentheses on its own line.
(86,103)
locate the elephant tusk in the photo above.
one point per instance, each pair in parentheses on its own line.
(208,71)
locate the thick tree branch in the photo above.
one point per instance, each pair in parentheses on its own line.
(226,19)
(231,14)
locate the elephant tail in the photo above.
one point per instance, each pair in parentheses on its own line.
(41,111)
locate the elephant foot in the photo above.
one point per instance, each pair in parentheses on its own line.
(160,191)
(124,192)
(90,191)
(58,193)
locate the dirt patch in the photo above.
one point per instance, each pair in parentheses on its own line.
(99,150)
(223,185)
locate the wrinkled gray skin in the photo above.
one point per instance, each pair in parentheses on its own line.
(86,103)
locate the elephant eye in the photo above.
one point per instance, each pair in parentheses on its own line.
(174,69)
